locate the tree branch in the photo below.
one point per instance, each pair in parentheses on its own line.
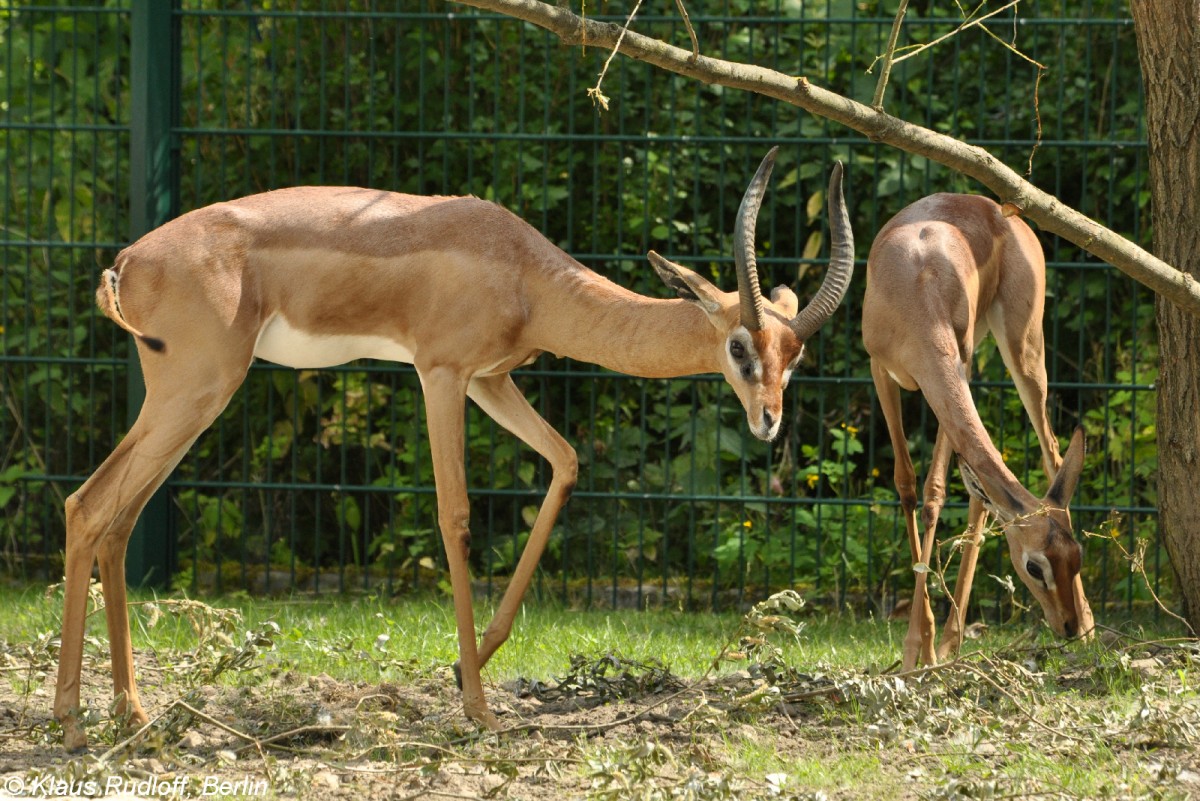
(967,24)
(1044,209)
(889,58)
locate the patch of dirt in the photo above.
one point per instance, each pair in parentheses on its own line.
(983,726)
(292,735)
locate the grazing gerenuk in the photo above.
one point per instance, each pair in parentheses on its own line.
(941,274)
(460,288)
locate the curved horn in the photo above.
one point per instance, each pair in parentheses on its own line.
(841,264)
(743,245)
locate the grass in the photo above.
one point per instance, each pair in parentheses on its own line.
(422,630)
(1018,714)
(333,634)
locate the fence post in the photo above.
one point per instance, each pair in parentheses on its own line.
(153,82)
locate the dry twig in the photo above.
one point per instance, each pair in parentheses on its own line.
(888,59)
(687,21)
(594,93)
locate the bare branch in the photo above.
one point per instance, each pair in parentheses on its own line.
(1137,564)
(594,93)
(687,21)
(971,23)
(1041,207)
(889,58)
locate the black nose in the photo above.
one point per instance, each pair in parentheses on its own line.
(768,420)
(1070,629)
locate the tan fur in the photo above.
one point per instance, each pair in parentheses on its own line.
(941,274)
(460,285)
(107,298)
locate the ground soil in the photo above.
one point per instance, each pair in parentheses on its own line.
(271,732)
(396,740)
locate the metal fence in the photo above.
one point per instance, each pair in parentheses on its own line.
(120,115)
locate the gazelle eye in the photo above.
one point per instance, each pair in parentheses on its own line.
(1035,571)
(737,350)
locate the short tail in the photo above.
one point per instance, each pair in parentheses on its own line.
(108,298)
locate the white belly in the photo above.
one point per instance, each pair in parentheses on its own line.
(281,343)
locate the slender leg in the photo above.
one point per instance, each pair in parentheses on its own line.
(500,398)
(1087,623)
(952,635)
(120,643)
(80,556)
(918,643)
(111,558)
(935,499)
(100,516)
(445,405)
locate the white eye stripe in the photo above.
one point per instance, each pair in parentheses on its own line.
(1039,561)
(743,356)
(742,347)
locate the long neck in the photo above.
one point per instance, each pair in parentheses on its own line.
(951,402)
(588,318)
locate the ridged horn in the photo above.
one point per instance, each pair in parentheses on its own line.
(841,264)
(743,245)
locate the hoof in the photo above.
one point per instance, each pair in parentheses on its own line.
(485,719)
(458,675)
(134,723)
(74,738)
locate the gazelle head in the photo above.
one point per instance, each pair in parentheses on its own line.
(761,341)
(1043,550)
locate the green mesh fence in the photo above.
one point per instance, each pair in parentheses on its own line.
(321,480)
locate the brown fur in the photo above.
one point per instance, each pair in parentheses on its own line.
(941,274)
(461,286)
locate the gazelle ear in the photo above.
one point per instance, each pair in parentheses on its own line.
(995,499)
(975,487)
(785,300)
(1063,488)
(687,284)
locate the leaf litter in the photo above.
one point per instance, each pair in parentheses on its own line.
(1118,719)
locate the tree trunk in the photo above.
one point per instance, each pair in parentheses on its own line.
(1168,35)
